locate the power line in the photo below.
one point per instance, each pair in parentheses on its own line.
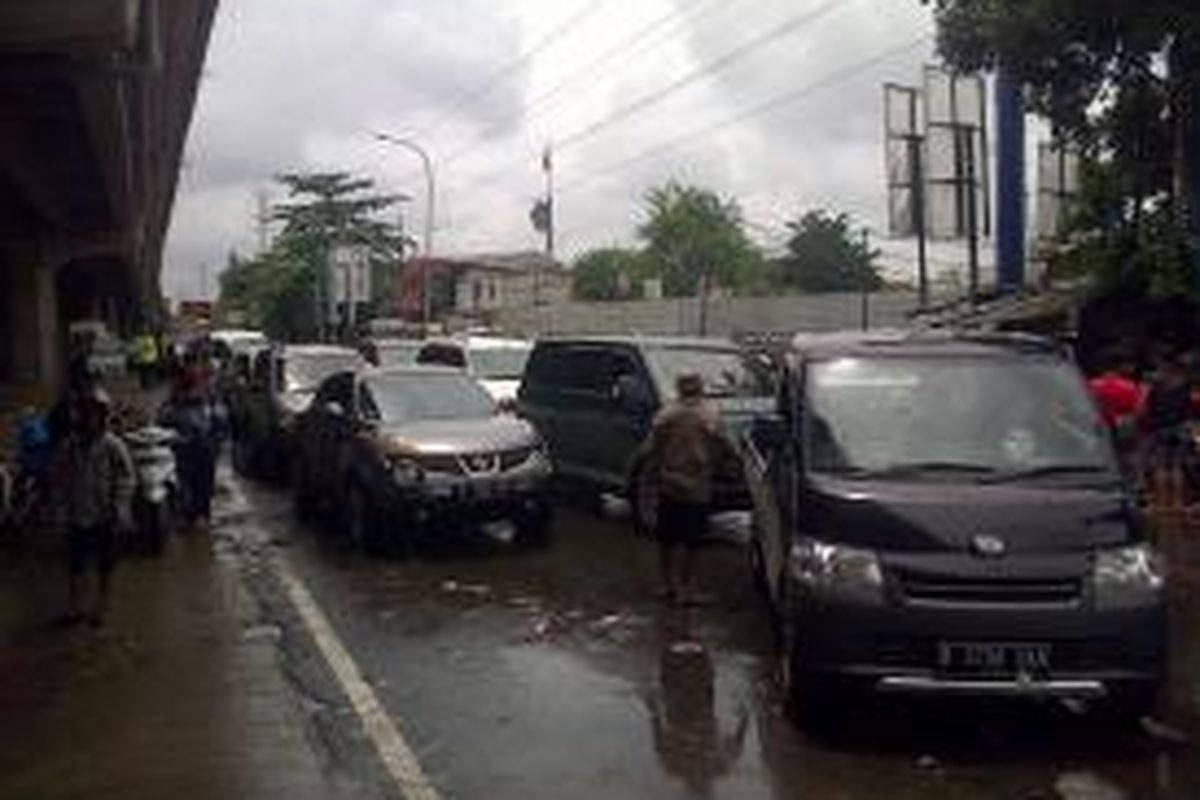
(765,107)
(633,46)
(787,28)
(502,74)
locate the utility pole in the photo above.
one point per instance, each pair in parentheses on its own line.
(864,283)
(968,198)
(917,180)
(1010,182)
(263,218)
(548,169)
(430,195)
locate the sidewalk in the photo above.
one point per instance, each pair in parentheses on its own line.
(179,696)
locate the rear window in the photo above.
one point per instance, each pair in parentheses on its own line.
(576,369)
(444,355)
(305,372)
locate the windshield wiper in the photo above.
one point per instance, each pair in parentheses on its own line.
(915,468)
(1048,470)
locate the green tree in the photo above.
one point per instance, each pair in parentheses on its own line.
(1114,80)
(284,289)
(609,273)
(692,233)
(826,255)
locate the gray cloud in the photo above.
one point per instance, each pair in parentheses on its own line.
(294,84)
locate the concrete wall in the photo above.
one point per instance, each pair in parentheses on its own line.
(500,289)
(726,316)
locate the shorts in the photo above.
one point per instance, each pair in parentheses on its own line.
(97,544)
(681,523)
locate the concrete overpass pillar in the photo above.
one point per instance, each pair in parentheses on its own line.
(35,334)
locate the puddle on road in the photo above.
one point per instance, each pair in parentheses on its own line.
(533,674)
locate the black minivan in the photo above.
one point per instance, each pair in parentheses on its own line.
(943,513)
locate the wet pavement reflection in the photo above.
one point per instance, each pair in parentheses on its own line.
(553,672)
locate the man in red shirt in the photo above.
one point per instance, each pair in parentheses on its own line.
(1118,394)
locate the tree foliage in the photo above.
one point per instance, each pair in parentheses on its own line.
(826,255)
(609,273)
(284,290)
(1112,77)
(692,233)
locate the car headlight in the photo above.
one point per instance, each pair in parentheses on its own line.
(406,470)
(829,569)
(1127,576)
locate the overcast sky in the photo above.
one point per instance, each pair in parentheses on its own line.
(301,84)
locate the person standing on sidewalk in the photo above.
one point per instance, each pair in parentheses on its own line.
(98,480)
(1165,417)
(683,455)
(200,420)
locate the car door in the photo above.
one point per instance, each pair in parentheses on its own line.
(771,465)
(540,394)
(332,425)
(583,415)
(625,414)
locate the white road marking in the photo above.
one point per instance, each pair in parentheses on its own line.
(398,758)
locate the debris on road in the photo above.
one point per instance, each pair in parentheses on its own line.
(545,627)
(1163,732)
(472,589)
(262,633)
(928,763)
(1086,786)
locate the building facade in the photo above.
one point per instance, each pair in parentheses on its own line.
(473,288)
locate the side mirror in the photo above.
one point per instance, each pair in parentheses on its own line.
(335,409)
(769,432)
(632,395)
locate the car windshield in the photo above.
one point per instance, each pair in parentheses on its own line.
(411,397)
(725,371)
(305,372)
(398,354)
(500,362)
(943,416)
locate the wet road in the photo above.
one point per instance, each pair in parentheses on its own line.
(553,673)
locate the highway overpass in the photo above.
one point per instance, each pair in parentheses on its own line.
(96,97)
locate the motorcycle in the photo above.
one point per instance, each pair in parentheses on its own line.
(157,491)
(22,484)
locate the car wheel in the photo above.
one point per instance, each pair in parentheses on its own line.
(302,495)
(361,524)
(1130,704)
(242,456)
(758,567)
(811,701)
(533,524)
(641,502)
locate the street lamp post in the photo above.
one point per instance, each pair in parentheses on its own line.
(427,245)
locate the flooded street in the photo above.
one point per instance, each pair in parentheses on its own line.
(551,672)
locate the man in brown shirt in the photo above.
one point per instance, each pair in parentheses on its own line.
(682,458)
(98,483)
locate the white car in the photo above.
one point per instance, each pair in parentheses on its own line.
(496,363)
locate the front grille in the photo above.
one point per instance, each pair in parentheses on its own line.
(445,463)
(974,591)
(510,459)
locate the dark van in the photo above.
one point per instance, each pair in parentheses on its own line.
(940,513)
(593,399)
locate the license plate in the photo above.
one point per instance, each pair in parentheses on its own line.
(994,658)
